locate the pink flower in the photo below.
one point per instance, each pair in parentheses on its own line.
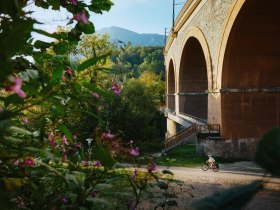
(16,87)
(50,135)
(81,16)
(107,135)
(16,163)
(52,143)
(134,151)
(95,95)
(70,72)
(20,202)
(116,89)
(29,162)
(135,174)
(97,163)
(63,78)
(25,120)
(152,167)
(85,163)
(64,140)
(1,109)
(74,2)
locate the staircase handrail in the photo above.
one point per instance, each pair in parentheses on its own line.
(192,130)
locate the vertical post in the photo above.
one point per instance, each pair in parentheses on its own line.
(173,15)
(165,36)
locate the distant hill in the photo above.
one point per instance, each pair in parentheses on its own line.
(120,34)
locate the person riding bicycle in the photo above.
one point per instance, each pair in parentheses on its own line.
(211,161)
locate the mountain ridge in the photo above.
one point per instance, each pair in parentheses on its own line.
(117,34)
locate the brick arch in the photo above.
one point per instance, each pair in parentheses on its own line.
(249,68)
(171,85)
(233,12)
(198,34)
(194,76)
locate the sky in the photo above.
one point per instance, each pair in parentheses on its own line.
(141,16)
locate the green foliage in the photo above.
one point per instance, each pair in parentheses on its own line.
(135,113)
(268,152)
(132,61)
(104,155)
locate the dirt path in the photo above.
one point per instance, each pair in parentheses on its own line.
(198,184)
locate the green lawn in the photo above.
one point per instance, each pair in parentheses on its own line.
(184,155)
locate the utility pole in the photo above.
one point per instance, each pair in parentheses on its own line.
(173,15)
(165,32)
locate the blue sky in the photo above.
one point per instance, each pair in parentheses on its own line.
(142,16)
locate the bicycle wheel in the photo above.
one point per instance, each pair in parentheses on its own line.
(216,167)
(204,167)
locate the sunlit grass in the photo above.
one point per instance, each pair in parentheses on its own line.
(184,155)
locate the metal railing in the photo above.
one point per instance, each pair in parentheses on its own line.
(208,130)
(194,117)
(186,134)
(179,138)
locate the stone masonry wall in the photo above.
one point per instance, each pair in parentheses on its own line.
(210,18)
(228,149)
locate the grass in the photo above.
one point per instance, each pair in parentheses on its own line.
(185,156)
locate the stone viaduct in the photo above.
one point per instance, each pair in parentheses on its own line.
(223,67)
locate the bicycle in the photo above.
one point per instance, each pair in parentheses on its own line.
(206,166)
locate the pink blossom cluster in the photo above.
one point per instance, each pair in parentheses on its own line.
(107,135)
(116,89)
(68,72)
(96,95)
(29,161)
(16,87)
(25,120)
(51,140)
(152,167)
(134,151)
(135,174)
(81,16)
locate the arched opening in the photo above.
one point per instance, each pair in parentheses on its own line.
(171,87)
(193,81)
(251,70)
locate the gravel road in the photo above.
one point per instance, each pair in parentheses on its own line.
(198,184)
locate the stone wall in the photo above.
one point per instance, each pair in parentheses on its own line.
(229,149)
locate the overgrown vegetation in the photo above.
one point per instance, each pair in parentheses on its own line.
(66,120)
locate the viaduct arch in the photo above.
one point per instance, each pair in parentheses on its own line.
(223,68)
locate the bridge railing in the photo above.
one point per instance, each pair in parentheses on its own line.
(209,129)
(194,117)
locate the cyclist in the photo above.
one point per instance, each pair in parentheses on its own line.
(211,161)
